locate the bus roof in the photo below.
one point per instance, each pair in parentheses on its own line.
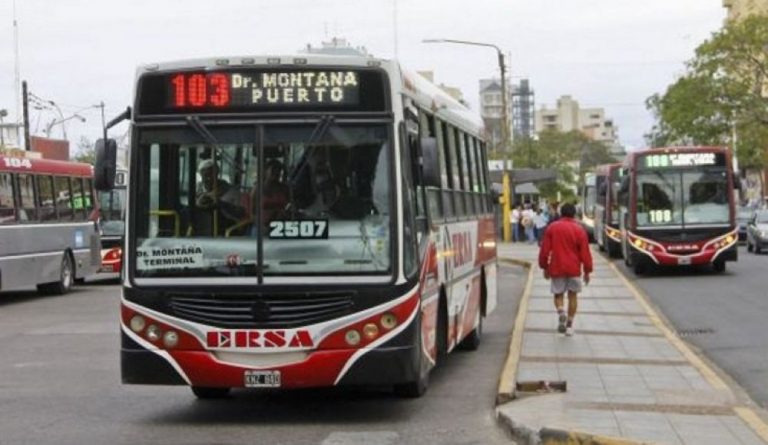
(423,92)
(44,166)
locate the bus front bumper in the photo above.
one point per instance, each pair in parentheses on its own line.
(322,368)
(667,259)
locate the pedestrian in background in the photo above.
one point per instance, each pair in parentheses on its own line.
(539,223)
(514,219)
(564,256)
(527,223)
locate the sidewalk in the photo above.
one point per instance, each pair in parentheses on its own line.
(628,376)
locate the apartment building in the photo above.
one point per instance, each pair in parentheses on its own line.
(739,9)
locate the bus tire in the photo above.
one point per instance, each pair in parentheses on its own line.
(208,393)
(613,249)
(418,387)
(66,278)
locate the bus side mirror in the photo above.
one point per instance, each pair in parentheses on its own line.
(430,162)
(624,187)
(106,164)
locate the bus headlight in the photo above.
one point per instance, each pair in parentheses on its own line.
(170,339)
(352,337)
(388,321)
(370,331)
(154,333)
(138,323)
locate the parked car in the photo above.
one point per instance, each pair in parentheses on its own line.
(742,219)
(757,232)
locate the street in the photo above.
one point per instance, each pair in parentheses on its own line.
(61,385)
(721,314)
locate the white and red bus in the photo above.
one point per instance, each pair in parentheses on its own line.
(606,212)
(112,223)
(301,221)
(678,208)
(48,232)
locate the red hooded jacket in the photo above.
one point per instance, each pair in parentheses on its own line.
(565,249)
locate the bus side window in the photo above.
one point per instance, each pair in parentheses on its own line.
(7,208)
(27,210)
(63,197)
(45,201)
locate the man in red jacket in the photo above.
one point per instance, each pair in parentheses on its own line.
(563,255)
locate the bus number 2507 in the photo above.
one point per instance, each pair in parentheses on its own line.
(303,229)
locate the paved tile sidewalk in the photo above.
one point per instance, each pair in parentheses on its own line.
(625,377)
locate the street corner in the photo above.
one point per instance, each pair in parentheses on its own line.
(545,420)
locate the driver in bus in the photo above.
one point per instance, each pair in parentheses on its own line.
(214,193)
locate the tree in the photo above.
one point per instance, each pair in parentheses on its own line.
(723,93)
(85,151)
(563,152)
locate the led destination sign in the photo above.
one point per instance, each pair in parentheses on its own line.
(677,160)
(261,90)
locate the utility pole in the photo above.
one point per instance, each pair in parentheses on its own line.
(25,112)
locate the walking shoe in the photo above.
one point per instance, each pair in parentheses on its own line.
(561,322)
(569,331)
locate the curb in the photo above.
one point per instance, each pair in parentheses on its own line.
(553,436)
(749,415)
(508,377)
(517,262)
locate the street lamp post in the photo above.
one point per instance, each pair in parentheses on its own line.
(61,121)
(506,148)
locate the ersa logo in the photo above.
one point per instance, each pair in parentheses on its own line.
(259,339)
(462,248)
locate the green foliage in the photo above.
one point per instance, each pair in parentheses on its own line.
(723,92)
(561,151)
(85,151)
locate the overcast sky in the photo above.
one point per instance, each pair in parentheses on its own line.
(608,53)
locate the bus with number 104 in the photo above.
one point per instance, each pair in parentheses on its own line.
(297,222)
(678,208)
(48,232)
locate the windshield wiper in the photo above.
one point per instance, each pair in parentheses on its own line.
(210,139)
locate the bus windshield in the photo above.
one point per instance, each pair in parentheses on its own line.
(682,198)
(111,211)
(315,199)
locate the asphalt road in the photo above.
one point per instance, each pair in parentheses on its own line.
(60,384)
(723,315)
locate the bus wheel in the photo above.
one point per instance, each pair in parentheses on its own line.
(203,392)
(66,278)
(613,249)
(719,266)
(472,341)
(418,387)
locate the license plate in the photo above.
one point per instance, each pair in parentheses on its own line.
(262,379)
(684,261)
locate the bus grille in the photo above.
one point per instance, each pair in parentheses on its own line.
(255,312)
